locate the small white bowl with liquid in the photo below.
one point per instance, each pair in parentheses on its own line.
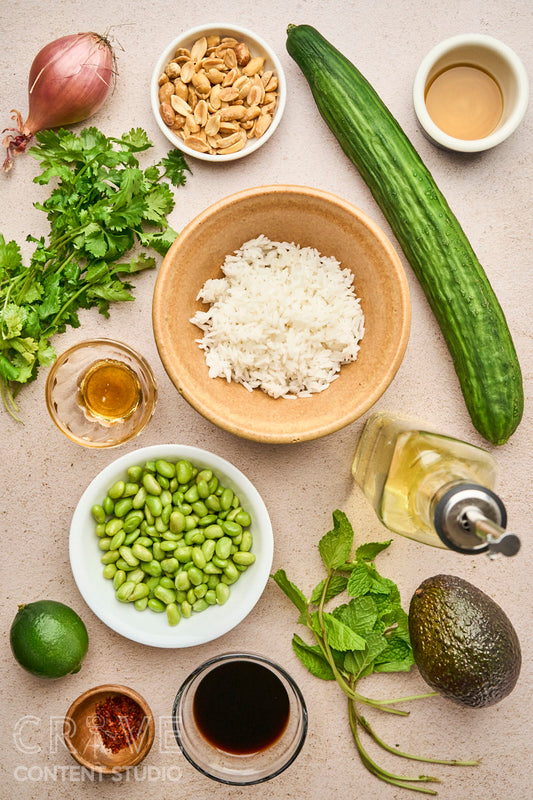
(476,89)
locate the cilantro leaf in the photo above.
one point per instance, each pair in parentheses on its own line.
(102,203)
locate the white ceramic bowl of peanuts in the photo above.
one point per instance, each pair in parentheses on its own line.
(218,92)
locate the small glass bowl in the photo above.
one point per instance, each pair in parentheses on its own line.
(65,404)
(238,769)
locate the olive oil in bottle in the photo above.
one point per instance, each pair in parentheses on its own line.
(110,390)
(431,488)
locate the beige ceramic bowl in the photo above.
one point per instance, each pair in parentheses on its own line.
(307,217)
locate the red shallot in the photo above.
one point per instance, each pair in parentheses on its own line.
(70,79)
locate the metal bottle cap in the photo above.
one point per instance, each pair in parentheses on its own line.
(471,519)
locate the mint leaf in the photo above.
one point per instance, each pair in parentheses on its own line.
(335,546)
(336,585)
(313,659)
(361,663)
(360,614)
(339,636)
(291,590)
(368,552)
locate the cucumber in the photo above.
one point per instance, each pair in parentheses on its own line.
(454,282)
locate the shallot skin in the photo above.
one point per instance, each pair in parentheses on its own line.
(69,81)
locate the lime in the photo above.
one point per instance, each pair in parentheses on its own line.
(48,639)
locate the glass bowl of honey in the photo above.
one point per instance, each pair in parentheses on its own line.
(101,393)
(240,719)
(470,93)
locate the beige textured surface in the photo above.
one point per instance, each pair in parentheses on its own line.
(42,474)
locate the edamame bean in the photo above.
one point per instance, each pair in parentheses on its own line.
(117,540)
(184,471)
(186,609)
(168,546)
(141,552)
(170,565)
(222,592)
(231,528)
(141,590)
(125,591)
(200,605)
(213,532)
(243,559)
(131,537)
(141,603)
(136,575)
(140,498)
(203,489)
(117,490)
(111,557)
(151,485)
(246,541)
(223,547)
(154,504)
(118,579)
(176,522)
(153,568)
(104,543)
(243,519)
(108,505)
(226,499)
(100,529)
(113,526)
(156,605)
(173,614)
(211,597)
(195,576)
(198,557)
(98,513)
(122,506)
(213,503)
(135,473)
(109,571)
(131,489)
(132,520)
(165,595)
(128,556)
(165,468)
(183,554)
(182,582)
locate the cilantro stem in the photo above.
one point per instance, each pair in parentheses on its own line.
(449,762)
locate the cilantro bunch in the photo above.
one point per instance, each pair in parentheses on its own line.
(367,634)
(102,205)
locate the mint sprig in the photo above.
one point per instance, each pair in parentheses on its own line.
(366,634)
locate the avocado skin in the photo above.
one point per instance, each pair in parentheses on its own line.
(463,643)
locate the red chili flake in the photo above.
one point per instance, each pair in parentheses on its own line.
(119,720)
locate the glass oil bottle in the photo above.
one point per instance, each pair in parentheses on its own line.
(432,488)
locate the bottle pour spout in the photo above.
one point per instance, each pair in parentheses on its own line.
(471,519)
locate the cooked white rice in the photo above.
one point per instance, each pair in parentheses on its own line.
(283,319)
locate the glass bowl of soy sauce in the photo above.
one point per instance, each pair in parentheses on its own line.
(240,719)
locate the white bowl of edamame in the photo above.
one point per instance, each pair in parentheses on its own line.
(171,545)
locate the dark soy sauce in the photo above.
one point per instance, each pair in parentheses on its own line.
(241,707)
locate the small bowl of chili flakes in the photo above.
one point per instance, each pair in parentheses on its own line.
(109,729)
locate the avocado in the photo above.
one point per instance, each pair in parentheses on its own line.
(463,643)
